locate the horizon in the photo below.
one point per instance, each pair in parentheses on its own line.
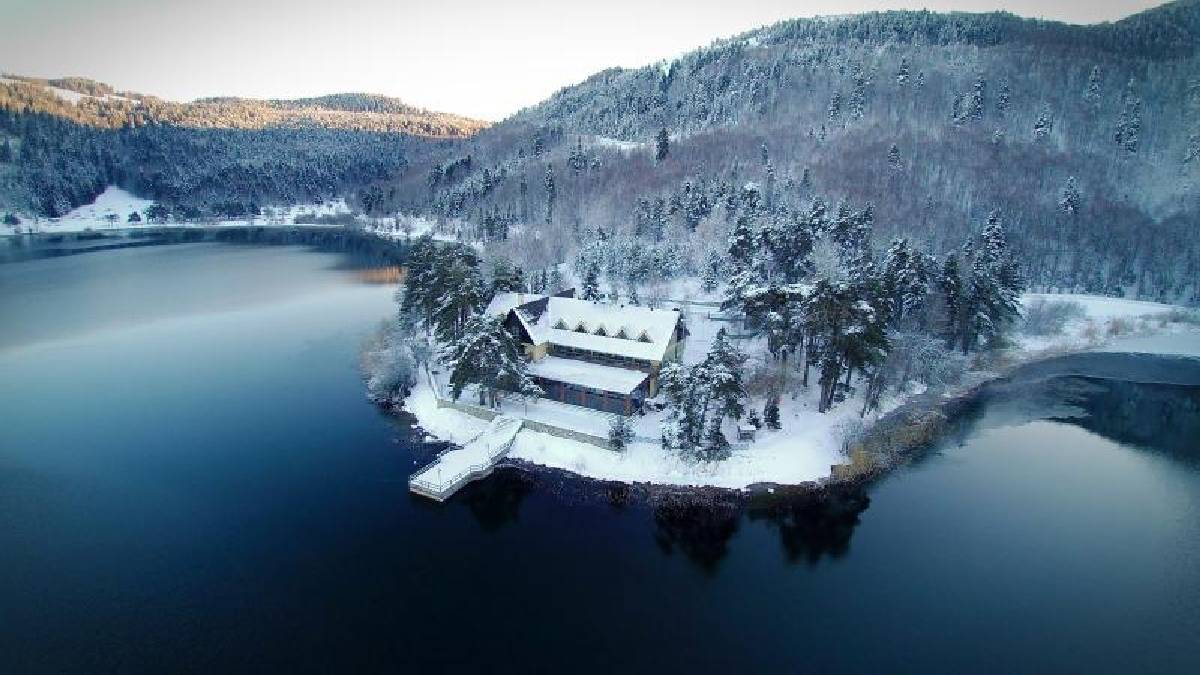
(468,67)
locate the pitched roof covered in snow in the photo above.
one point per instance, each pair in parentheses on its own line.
(501,303)
(634,332)
(590,375)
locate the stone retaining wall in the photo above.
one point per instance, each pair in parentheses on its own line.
(541,427)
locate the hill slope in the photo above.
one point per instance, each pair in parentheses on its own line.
(97,104)
(62,142)
(935,120)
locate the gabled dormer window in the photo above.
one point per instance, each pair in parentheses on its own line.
(560,324)
(621,334)
(581,328)
(601,332)
(643,337)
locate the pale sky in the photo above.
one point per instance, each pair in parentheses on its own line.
(473,57)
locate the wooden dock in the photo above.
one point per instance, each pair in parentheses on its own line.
(458,466)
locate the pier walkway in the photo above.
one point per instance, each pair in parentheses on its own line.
(458,466)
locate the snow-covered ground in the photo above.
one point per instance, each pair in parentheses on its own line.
(406,227)
(617,144)
(111,209)
(113,203)
(1113,325)
(809,443)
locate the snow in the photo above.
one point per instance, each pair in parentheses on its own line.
(72,97)
(112,202)
(584,374)
(657,325)
(1172,343)
(617,144)
(444,423)
(1101,308)
(502,303)
(68,95)
(1110,324)
(405,227)
(120,203)
(809,443)
(804,450)
(648,331)
(454,466)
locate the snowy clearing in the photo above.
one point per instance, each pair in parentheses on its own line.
(111,209)
(1112,325)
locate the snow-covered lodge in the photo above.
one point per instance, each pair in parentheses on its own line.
(600,356)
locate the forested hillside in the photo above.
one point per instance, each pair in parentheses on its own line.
(97,104)
(1084,139)
(63,141)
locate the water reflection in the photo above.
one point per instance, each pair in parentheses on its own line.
(698,526)
(1161,417)
(496,502)
(814,526)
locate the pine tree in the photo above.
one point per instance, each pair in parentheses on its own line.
(523,191)
(507,278)
(716,445)
(662,145)
(1129,124)
(577,160)
(771,413)
(710,275)
(741,245)
(419,295)
(723,369)
(550,193)
(835,107)
(950,284)
(591,285)
(485,354)
(905,282)
(461,294)
(1070,201)
(902,72)
(620,433)
(992,296)
(1003,98)
(806,184)
(857,103)
(1091,95)
(893,159)
(975,102)
(1044,124)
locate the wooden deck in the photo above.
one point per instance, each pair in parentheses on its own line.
(458,466)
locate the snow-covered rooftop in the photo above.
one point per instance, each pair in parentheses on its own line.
(636,332)
(501,303)
(622,330)
(584,374)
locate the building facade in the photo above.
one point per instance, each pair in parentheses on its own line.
(599,356)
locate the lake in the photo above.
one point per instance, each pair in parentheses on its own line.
(191,480)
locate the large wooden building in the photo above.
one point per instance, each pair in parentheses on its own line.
(600,356)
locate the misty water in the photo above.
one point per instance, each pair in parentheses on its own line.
(192,481)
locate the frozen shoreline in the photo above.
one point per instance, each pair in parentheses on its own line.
(810,443)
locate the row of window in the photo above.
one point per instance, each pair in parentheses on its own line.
(598,357)
(601,331)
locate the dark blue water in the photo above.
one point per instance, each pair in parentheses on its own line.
(192,481)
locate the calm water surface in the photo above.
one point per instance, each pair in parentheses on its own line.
(192,481)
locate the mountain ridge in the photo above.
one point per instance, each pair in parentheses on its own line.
(98,104)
